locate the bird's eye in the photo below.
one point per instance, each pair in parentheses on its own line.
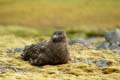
(59,33)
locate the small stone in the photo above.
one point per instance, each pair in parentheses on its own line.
(3,68)
(87,61)
(10,51)
(103,45)
(102,63)
(18,49)
(78,40)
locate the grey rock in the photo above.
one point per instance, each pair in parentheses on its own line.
(14,50)
(18,49)
(3,68)
(99,63)
(113,37)
(10,51)
(87,61)
(103,45)
(115,49)
(78,40)
(112,41)
(102,63)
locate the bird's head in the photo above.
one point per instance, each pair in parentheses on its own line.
(59,36)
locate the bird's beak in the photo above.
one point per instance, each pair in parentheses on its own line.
(55,37)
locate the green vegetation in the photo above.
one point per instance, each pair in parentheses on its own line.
(77,13)
(45,33)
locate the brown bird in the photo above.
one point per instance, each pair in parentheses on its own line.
(50,52)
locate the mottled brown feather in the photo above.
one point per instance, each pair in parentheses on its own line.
(50,52)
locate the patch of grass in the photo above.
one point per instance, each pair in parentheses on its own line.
(95,34)
(94,13)
(45,33)
(23,32)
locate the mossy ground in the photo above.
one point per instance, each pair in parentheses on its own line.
(79,18)
(9,38)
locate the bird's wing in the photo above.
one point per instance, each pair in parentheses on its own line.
(34,50)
